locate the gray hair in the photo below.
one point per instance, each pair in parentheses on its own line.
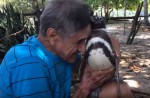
(65,16)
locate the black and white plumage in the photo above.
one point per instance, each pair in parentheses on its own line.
(99,50)
(100,54)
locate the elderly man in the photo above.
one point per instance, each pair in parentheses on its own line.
(41,67)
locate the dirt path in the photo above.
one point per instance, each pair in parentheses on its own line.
(135,58)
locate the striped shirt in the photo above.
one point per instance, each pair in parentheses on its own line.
(28,70)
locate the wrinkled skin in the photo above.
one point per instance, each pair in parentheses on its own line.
(67,48)
(92,79)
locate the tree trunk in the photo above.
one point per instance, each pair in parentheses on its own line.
(146,12)
(124,8)
(117,7)
(101,11)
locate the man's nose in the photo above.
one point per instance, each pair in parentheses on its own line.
(82,48)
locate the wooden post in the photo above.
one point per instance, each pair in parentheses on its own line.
(135,25)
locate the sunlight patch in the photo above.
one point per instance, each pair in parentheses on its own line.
(132,83)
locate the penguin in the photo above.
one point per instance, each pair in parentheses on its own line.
(100,54)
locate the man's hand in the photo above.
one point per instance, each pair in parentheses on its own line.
(116,46)
(94,78)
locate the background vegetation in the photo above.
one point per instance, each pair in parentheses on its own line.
(14,25)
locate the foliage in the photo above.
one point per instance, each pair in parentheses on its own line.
(130,4)
(13,27)
(94,3)
(27,6)
(20,4)
(107,6)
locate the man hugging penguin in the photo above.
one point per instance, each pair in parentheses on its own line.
(101,55)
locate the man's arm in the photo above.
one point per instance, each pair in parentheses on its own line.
(30,79)
(92,79)
(116,46)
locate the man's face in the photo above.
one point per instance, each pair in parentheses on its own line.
(69,48)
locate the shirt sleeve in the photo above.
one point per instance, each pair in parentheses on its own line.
(30,79)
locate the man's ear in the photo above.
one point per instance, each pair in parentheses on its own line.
(51,34)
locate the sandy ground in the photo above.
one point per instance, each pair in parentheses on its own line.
(135,58)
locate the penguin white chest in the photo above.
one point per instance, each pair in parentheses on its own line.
(98,60)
